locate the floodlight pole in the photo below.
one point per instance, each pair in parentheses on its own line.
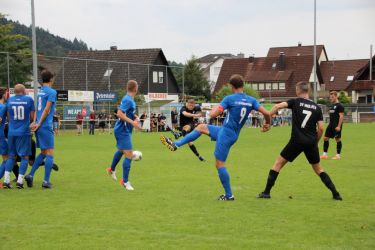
(370,78)
(314,70)
(35,59)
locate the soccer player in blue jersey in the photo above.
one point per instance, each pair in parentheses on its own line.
(123,134)
(21,111)
(238,106)
(43,128)
(3,140)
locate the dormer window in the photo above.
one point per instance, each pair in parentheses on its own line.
(350,78)
(332,79)
(273,65)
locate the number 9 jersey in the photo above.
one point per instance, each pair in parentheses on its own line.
(45,94)
(305,116)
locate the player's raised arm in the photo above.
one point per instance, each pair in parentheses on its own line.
(277,107)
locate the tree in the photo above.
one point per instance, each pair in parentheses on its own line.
(343,98)
(19,58)
(227,90)
(195,82)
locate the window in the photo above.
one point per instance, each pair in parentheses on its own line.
(155,77)
(217,71)
(261,86)
(158,77)
(254,86)
(275,86)
(281,85)
(350,78)
(161,77)
(332,79)
(268,86)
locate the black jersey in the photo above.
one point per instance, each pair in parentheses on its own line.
(188,120)
(334,112)
(305,116)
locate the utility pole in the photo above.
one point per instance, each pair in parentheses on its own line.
(314,70)
(35,59)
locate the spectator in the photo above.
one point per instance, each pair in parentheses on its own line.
(92,123)
(101,118)
(56,123)
(79,123)
(143,118)
(162,122)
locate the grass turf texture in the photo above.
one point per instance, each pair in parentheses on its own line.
(174,207)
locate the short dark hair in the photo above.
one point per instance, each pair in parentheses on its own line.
(236,81)
(333,93)
(46,76)
(303,86)
(131,85)
(3,91)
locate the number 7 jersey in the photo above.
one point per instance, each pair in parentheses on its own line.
(238,108)
(305,116)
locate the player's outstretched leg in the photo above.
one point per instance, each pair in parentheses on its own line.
(327,181)
(175,133)
(37,163)
(272,176)
(112,170)
(195,151)
(168,142)
(126,165)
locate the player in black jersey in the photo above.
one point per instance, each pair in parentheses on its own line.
(188,121)
(334,128)
(306,117)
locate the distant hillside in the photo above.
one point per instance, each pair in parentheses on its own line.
(47,43)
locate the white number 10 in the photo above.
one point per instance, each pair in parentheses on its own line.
(19,112)
(307,117)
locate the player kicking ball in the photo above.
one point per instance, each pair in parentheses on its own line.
(123,134)
(306,117)
(238,106)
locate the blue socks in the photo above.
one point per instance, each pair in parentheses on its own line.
(2,168)
(38,161)
(126,169)
(192,136)
(23,166)
(225,180)
(9,164)
(116,159)
(48,167)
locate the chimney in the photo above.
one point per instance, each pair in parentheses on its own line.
(251,58)
(240,55)
(299,44)
(281,62)
(113,47)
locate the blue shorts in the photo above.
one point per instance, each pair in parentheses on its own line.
(19,145)
(45,138)
(3,146)
(224,138)
(55,125)
(123,141)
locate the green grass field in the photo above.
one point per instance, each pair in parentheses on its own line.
(174,203)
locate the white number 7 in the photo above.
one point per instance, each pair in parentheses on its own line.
(307,117)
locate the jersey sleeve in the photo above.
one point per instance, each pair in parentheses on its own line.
(182,109)
(225,103)
(340,108)
(256,104)
(125,105)
(291,103)
(52,97)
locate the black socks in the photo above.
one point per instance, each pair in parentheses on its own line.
(194,149)
(325,146)
(328,182)
(272,176)
(339,147)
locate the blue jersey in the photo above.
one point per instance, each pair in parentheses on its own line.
(238,108)
(3,116)
(19,108)
(128,107)
(45,94)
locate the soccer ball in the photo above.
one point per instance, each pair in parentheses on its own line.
(137,155)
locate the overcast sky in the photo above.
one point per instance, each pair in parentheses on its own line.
(186,27)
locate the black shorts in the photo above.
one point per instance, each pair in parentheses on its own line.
(102,124)
(293,149)
(192,125)
(332,133)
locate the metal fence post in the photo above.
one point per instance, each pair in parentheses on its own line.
(63,74)
(128,72)
(166,76)
(8,70)
(86,75)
